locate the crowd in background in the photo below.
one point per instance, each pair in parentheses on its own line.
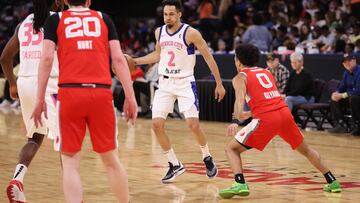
(307,26)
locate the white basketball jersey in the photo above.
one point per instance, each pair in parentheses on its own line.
(31,49)
(177,58)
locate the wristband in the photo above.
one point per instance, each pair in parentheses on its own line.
(236,121)
(344,95)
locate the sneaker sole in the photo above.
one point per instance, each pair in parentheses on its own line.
(9,191)
(229,195)
(175,175)
(211,177)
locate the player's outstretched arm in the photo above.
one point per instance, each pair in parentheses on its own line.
(154,56)
(194,37)
(6,60)
(122,72)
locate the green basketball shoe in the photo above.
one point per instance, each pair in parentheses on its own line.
(333,187)
(235,189)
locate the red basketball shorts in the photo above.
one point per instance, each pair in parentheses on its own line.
(92,107)
(259,132)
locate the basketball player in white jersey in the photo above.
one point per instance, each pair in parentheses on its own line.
(27,41)
(175,52)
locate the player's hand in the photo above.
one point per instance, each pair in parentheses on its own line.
(14,92)
(40,107)
(219,92)
(130,110)
(232,129)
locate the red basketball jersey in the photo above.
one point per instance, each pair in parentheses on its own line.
(83,47)
(262,93)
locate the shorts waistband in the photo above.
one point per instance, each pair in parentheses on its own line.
(84,85)
(168,77)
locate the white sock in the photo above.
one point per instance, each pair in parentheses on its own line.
(205,151)
(172,157)
(20,171)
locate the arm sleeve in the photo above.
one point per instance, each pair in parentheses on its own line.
(50,27)
(111,27)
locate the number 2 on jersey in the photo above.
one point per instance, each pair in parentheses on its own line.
(171,61)
(78,27)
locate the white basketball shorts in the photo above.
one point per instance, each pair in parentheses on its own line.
(172,89)
(27,89)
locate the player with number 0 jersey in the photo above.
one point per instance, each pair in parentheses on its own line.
(271,117)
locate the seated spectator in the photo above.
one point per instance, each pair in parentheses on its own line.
(299,86)
(280,72)
(347,95)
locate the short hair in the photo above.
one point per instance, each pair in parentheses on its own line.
(296,56)
(175,3)
(77,2)
(247,54)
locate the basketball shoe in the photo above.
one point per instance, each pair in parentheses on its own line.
(236,189)
(173,172)
(211,170)
(333,187)
(15,192)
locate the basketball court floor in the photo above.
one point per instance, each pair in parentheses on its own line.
(277,174)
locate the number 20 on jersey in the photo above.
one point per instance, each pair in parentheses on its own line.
(80,27)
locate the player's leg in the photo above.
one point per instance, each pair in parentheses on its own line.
(257,134)
(292,135)
(314,158)
(239,187)
(116,174)
(103,133)
(192,121)
(27,96)
(162,105)
(72,106)
(189,106)
(71,177)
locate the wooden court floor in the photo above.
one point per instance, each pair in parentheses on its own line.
(276,175)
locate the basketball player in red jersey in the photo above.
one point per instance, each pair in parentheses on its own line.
(85,40)
(271,117)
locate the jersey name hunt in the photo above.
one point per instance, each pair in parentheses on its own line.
(177,58)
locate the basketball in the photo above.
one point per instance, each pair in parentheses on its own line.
(130,62)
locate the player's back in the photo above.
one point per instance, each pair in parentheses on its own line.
(83,47)
(262,93)
(30,49)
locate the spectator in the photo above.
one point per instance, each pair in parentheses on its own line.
(299,86)
(280,72)
(280,38)
(349,48)
(347,95)
(257,34)
(221,49)
(355,35)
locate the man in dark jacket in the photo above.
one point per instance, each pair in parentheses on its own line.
(347,95)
